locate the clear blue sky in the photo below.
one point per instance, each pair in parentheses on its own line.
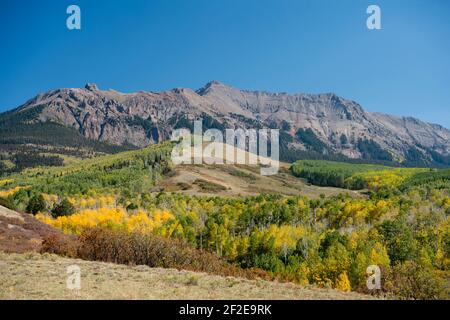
(275,45)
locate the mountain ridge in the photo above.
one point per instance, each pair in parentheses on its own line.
(321,124)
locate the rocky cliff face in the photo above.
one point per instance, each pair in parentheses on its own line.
(338,125)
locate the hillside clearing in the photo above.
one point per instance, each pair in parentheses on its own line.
(241,180)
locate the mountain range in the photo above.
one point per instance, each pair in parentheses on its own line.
(88,120)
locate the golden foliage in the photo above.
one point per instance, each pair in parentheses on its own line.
(343,282)
(10,192)
(5,182)
(50,199)
(286,236)
(110,218)
(446,203)
(91,202)
(391,178)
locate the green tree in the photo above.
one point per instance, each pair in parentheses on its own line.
(64,208)
(399,240)
(344,139)
(36,204)
(7,203)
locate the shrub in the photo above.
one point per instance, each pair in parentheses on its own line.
(60,244)
(64,208)
(136,248)
(184,185)
(119,246)
(132,206)
(209,186)
(413,281)
(7,203)
(36,204)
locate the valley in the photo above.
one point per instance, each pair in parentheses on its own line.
(319,223)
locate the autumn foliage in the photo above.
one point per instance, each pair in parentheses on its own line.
(398,220)
(137,248)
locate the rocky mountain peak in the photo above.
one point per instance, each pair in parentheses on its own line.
(91,87)
(215,83)
(212,86)
(144,118)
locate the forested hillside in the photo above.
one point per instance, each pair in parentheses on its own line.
(401,223)
(25,143)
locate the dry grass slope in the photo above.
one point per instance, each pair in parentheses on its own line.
(36,276)
(241,180)
(235,180)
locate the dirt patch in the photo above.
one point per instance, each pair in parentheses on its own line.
(10,214)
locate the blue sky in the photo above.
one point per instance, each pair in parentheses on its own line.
(292,46)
